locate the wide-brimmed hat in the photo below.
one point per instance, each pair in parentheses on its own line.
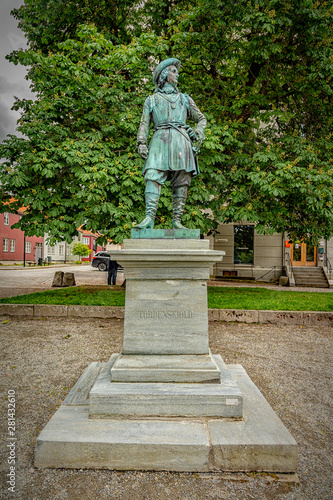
(172,61)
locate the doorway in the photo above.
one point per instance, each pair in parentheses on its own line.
(303,254)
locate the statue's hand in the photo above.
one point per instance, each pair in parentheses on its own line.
(143,151)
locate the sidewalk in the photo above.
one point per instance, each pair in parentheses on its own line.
(270,286)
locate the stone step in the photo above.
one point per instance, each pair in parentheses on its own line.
(258,442)
(312,277)
(312,285)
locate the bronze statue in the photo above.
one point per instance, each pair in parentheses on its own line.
(172,154)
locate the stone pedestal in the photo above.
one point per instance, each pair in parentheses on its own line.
(165,402)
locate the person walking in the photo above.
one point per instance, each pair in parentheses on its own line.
(112,267)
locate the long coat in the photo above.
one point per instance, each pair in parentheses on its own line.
(170,147)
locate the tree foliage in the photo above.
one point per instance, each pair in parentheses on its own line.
(261,71)
(81,249)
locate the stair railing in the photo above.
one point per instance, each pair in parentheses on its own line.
(273,268)
(289,269)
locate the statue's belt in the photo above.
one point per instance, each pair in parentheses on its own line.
(177,126)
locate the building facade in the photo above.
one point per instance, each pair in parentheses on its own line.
(266,257)
(15,246)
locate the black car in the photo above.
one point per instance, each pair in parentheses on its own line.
(100,261)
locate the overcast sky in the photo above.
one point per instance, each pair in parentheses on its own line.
(12,78)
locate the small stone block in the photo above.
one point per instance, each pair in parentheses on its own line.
(57,280)
(283,281)
(68,279)
(165,233)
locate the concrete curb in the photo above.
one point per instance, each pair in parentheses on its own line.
(306,318)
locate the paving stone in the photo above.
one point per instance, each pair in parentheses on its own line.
(16,310)
(48,310)
(239,315)
(282,317)
(96,312)
(318,318)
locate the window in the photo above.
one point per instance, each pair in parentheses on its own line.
(5,244)
(6,219)
(12,245)
(61,250)
(28,247)
(50,250)
(85,240)
(243,244)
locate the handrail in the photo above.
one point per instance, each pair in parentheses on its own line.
(289,268)
(329,267)
(270,270)
(287,255)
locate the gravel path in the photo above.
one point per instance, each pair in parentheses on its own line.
(292,366)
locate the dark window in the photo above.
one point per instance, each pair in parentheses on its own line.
(243,244)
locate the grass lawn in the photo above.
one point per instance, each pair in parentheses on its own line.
(73,296)
(267,299)
(218,298)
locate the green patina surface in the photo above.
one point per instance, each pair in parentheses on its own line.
(165,233)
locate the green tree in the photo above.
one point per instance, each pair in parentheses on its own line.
(76,163)
(260,70)
(81,250)
(264,70)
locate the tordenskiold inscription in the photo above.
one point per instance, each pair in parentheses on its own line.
(173,149)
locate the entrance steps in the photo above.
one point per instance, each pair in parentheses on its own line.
(310,277)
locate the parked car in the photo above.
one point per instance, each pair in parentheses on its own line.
(100,261)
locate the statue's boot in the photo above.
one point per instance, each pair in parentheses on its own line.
(152,195)
(179,196)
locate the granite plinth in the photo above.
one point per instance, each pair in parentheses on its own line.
(107,400)
(166,317)
(156,368)
(165,233)
(159,404)
(166,295)
(259,442)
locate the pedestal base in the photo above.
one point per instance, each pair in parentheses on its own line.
(259,442)
(108,400)
(149,368)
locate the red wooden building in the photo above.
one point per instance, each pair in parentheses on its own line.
(88,238)
(13,244)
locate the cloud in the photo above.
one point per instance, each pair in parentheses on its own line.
(8,120)
(8,117)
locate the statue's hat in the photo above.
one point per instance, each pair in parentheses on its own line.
(172,61)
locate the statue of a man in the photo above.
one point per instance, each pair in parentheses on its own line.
(171,154)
